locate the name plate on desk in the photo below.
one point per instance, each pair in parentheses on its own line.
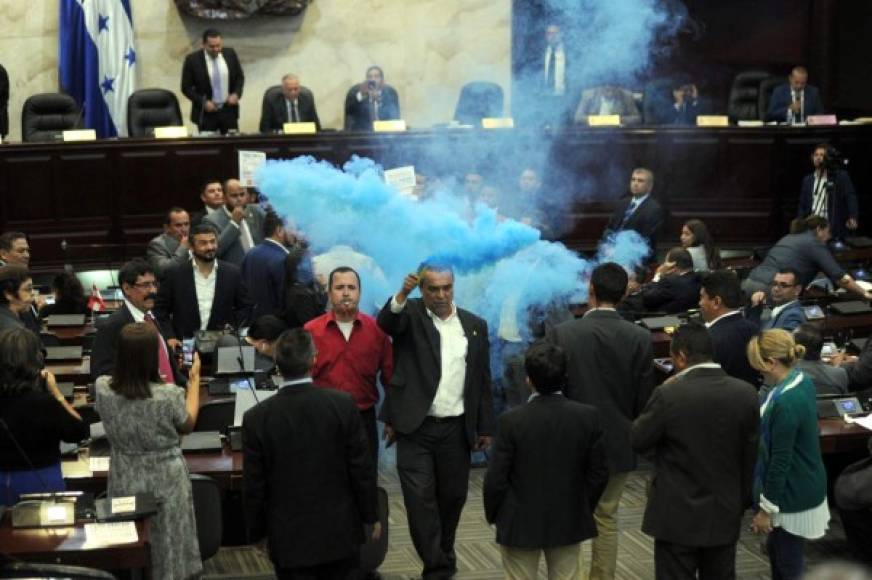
(80,135)
(397,125)
(299,129)
(498,123)
(821,120)
(172,132)
(604,120)
(712,121)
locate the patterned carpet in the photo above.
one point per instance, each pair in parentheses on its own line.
(478,555)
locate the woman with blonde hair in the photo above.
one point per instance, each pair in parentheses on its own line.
(790,483)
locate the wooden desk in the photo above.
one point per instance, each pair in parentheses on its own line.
(72,335)
(78,373)
(836,436)
(67,546)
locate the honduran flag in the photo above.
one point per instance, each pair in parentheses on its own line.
(97,61)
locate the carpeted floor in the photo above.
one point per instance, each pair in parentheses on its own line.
(478,555)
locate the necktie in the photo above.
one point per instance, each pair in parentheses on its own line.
(164,367)
(375,110)
(552,75)
(630,209)
(245,236)
(295,118)
(217,92)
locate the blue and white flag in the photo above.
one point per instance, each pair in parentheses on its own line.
(97,61)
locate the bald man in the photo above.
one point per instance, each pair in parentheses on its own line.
(293,104)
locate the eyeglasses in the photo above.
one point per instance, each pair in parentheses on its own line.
(782,285)
(147,285)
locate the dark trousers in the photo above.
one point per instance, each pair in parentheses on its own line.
(223,120)
(679,562)
(858,531)
(367,416)
(345,569)
(785,554)
(433,465)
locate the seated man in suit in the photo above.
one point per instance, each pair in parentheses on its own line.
(212,196)
(786,311)
(15,251)
(139,285)
(674,289)
(203,293)
(293,104)
(240,224)
(212,79)
(640,212)
(682,109)
(793,101)
(608,100)
(827,379)
(706,419)
(263,268)
(171,247)
(720,300)
(370,101)
(546,473)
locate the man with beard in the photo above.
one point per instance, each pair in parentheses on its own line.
(352,350)
(202,294)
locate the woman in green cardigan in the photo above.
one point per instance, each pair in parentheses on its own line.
(790,483)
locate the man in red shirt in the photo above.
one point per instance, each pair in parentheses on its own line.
(352,349)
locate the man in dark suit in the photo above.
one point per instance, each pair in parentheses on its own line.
(263,268)
(171,247)
(212,79)
(139,285)
(212,196)
(829,193)
(706,419)
(4,102)
(437,406)
(293,104)
(719,301)
(786,311)
(309,483)
(15,251)
(239,223)
(641,212)
(675,288)
(793,101)
(370,101)
(546,473)
(611,366)
(203,293)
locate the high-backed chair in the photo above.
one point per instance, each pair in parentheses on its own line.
(656,97)
(46,115)
(269,95)
(744,100)
(766,87)
(150,108)
(215,415)
(207,513)
(478,100)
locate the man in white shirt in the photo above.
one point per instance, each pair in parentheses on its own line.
(437,407)
(240,224)
(212,79)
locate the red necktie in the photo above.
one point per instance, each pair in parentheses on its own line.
(165,368)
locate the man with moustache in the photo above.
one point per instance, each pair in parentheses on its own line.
(437,407)
(353,352)
(139,286)
(171,247)
(212,196)
(202,293)
(240,224)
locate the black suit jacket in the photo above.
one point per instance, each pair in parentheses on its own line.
(841,203)
(176,305)
(730,338)
(782,97)
(673,293)
(274,111)
(197,86)
(105,345)
(610,366)
(546,473)
(647,220)
(702,429)
(417,370)
(358,114)
(309,482)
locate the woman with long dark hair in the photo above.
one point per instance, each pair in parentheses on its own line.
(697,240)
(69,295)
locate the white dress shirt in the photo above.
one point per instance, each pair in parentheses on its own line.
(205,288)
(819,194)
(448,401)
(715,321)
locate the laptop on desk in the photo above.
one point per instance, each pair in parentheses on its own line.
(202,442)
(65,320)
(228,360)
(661,322)
(851,307)
(63,353)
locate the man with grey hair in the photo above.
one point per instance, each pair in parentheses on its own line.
(294,103)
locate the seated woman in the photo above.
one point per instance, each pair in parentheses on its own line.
(304,297)
(143,418)
(16,296)
(790,482)
(69,296)
(33,420)
(697,240)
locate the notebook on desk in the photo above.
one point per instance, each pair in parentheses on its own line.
(851,307)
(201,442)
(63,353)
(661,322)
(131,508)
(65,320)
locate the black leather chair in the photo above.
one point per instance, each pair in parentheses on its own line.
(45,116)
(207,513)
(215,415)
(478,100)
(766,89)
(150,108)
(744,100)
(656,96)
(268,95)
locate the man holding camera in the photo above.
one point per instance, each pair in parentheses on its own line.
(371,100)
(828,192)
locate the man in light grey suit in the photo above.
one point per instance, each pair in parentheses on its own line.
(241,225)
(171,247)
